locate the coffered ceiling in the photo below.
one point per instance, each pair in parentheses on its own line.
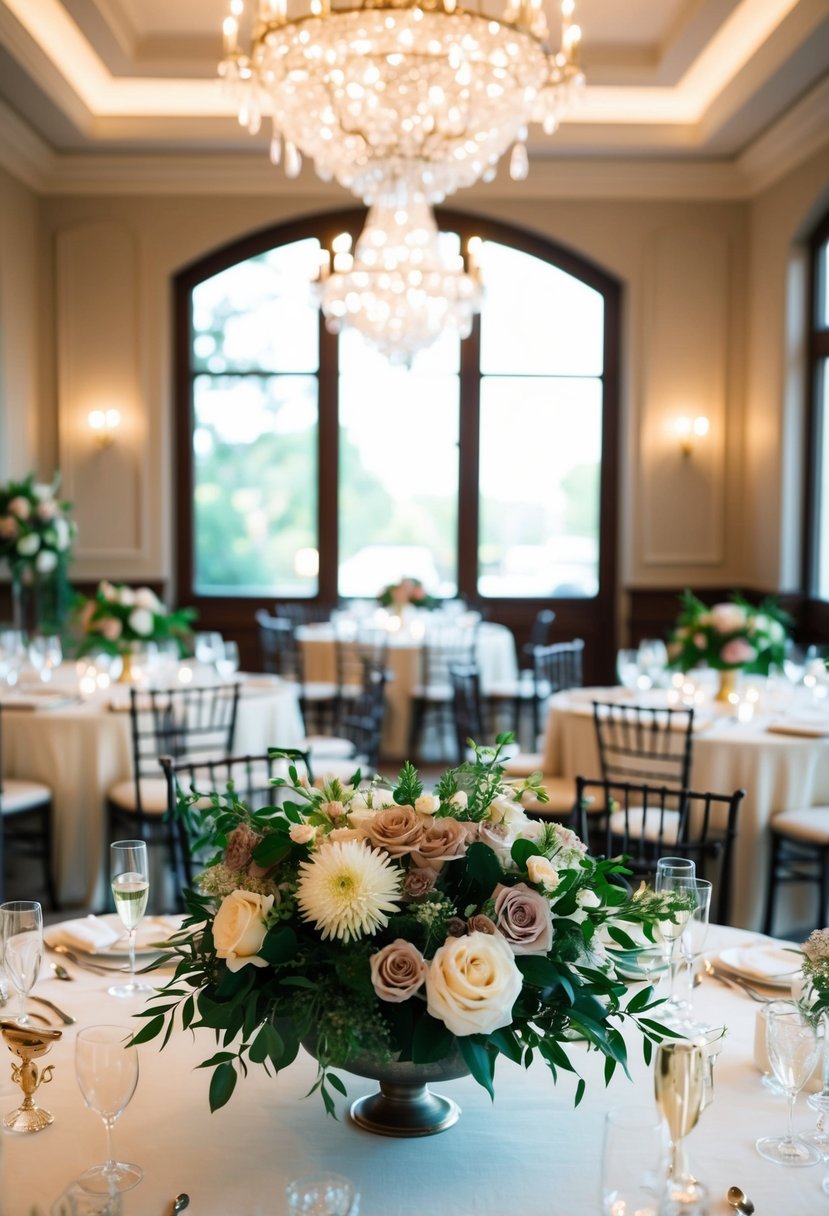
(686,80)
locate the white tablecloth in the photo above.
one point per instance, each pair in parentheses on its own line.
(80,750)
(496,659)
(529,1153)
(778,772)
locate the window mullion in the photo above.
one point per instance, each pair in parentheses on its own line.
(468,458)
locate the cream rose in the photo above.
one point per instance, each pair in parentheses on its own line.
(543,873)
(472,984)
(239,928)
(427,804)
(397,971)
(46,561)
(28,546)
(302,833)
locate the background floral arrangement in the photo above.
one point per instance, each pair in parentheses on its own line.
(35,532)
(815,969)
(118,616)
(403,925)
(407,591)
(728,636)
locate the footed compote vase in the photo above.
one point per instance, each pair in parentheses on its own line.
(404,1105)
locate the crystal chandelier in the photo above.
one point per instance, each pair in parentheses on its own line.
(381,92)
(399,289)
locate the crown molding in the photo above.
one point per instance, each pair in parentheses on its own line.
(794,137)
(23,154)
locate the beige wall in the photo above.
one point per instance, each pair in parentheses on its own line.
(703,282)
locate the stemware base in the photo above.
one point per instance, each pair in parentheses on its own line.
(794,1152)
(131,989)
(112,1177)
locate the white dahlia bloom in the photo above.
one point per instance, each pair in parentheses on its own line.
(348,889)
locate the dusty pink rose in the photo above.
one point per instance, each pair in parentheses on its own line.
(111,628)
(397,971)
(418,882)
(481,924)
(397,829)
(443,840)
(523,917)
(47,509)
(8,527)
(334,810)
(240,845)
(302,833)
(738,651)
(21,507)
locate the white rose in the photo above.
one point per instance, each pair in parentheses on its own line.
(28,546)
(472,984)
(145,598)
(42,491)
(727,618)
(460,800)
(543,873)
(46,561)
(506,810)
(302,833)
(126,596)
(141,622)
(426,804)
(239,928)
(588,899)
(62,534)
(776,631)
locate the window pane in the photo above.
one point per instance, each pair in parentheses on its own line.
(255,485)
(823,286)
(539,500)
(536,319)
(259,314)
(821,590)
(398,491)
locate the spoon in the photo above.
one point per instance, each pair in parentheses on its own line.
(739,1200)
(180,1202)
(60,972)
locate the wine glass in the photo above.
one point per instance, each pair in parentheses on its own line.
(793,1046)
(675,876)
(208,648)
(21,937)
(322,1195)
(12,655)
(627,669)
(129,871)
(681,1087)
(694,934)
(45,654)
(107,1072)
(631,1165)
(227,664)
(653,658)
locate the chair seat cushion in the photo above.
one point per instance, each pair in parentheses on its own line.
(668,821)
(320,692)
(327,747)
(809,825)
(19,795)
(329,767)
(153,795)
(522,764)
(561,792)
(433,693)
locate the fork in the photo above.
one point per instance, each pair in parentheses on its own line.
(731,981)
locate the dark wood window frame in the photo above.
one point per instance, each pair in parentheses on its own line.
(815,610)
(593,619)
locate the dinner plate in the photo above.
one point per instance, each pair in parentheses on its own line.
(762,963)
(151,930)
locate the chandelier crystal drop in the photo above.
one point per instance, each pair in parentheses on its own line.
(399,289)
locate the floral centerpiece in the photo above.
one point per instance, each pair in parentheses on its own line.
(402,925)
(118,617)
(36,537)
(407,591)
(732,636)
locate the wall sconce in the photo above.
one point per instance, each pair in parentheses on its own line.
(689,429)
(103,424)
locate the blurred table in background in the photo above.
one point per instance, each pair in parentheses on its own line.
(80,746)
(781,760)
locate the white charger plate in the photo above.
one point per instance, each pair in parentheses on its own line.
(762,963)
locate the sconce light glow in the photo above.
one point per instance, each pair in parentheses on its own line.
(103,423)
(689,429)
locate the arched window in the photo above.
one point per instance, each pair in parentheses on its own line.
(312,468)
(817,529)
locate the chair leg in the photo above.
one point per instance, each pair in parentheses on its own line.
(824,888)
(48,866)
(771,886)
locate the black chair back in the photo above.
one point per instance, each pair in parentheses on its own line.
(640,743)
(467,706)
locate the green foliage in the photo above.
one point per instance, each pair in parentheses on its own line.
(735,635)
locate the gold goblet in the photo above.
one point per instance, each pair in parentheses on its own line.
(28,1043)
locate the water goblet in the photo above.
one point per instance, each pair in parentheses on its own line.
(21,938)
(627,669)
(208,648)
(632,1168)
(107,1073)
(653,658)
(323,1194)
(130,875)
(227,664)
(45,654)
(793,1045)
(12,655)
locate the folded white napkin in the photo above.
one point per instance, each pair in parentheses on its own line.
(768,962)
(89,933)
(810,727)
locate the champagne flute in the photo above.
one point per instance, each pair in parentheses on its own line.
(793,1046)
(45,654)
(107,1072)
(675,876)
(681,1087)
(129,870)
(21,936)
(694,935)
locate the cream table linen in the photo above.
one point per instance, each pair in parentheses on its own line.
(527,1154)
(496,658)
(80,750)
(778,772)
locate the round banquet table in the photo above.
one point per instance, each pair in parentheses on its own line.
(529,1152)
(495,654)
(81,747)
(781,762)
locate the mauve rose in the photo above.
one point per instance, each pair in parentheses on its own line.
(240,845)
(455,927)
(738,650)
(523,917)
(481,924)
(397,829)
(443,840)
(397,971)
(418,882)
